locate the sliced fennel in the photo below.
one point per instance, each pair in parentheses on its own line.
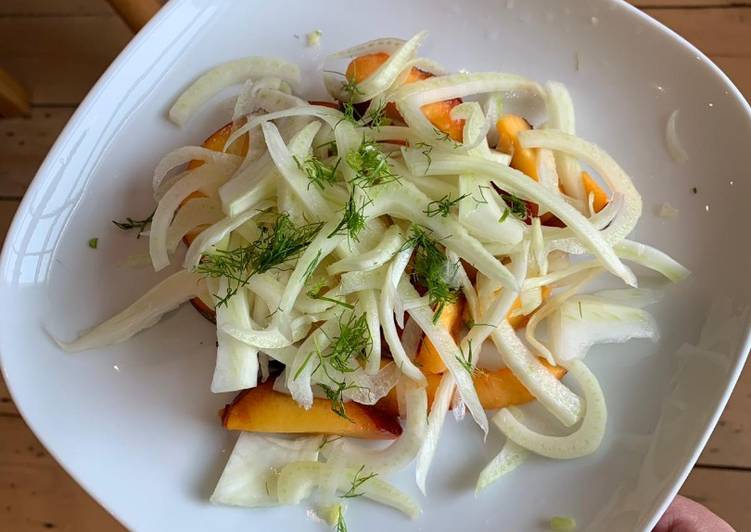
(583,441)
(231,73)
(236,361)
(509,458)
(552,394)
(250,477)
(145,312)
(437,416)
(582,322)
(298,480)
(400,453)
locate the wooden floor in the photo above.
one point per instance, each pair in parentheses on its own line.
(59,48)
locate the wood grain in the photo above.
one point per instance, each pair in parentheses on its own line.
(7,408)
(730,444)
(14,98)
(35,492)
(723,491)
(24,143)
(738,70)
(7,210)
(53,8)
(686,4)
(135,13)
(701,28)
(60,58)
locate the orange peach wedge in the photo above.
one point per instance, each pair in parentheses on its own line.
(496,389)
(522,159)
(438,113)
(427,358)
(262,409)
(593,187)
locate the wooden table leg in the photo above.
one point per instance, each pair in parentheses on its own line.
(14,98)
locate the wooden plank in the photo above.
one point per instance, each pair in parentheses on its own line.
(7,408)
(716,32)
(135,13)
(691,4)
(18,8)
(738,70)
(36,493)
(59,58)
(50,8)
(24,143)
(730,444)
(723,491)
(14,98)
(7,210)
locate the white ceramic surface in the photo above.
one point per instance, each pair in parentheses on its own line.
(136,425)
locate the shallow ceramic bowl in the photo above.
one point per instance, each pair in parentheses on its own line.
(135,424)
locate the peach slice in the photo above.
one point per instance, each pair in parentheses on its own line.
(439,113)
(517,322)
(261,409)
(522,159)
(496,389)
(428,358)
(593,187)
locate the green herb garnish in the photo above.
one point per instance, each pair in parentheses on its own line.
(326,440)
(427,149)
(443,206)
(130,223)
(353,343)
(433,270)
(466,360)
(312,266)
(335,394)
(349,113)
(93,243)
(278,243)
(370,165)
(353,218)
(316,293)
(516,206)
(377,117)
(483,200)
(357,482)
(341,524)
(349,90)
(444,137)
(320,174)
(330,145)
(471,324)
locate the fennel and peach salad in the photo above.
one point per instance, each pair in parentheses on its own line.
(373,262)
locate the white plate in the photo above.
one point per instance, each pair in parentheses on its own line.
(136,425)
